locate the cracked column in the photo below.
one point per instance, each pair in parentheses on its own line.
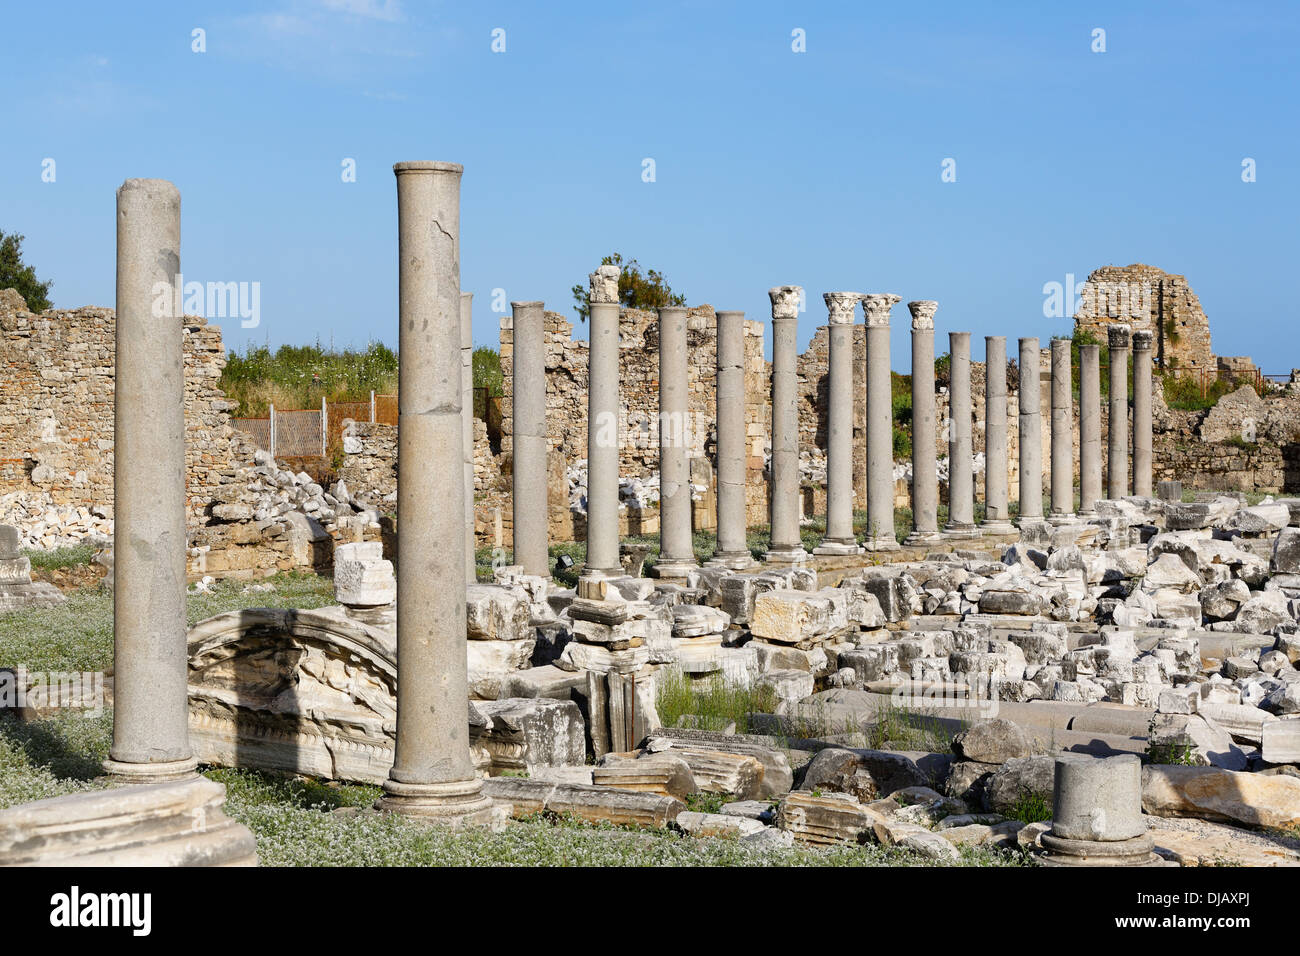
(602,435)
(531,440)
(925,471)
(467,420)
(961,469)
(997,514)
(151,737)
(880,424)
(1031,431)
(1062,434)
(733,547)
(676,546)
(1142,340)
(1117,444)
(839,537)
(1089,429)
(786,547)
(432,775)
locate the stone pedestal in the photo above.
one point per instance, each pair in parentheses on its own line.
(1117,445)
(997,514)
(786,547)
(17,590)
(1031,432)
(925,472)
(1062,434)
(1089,429)
(732,549)
(839,537)
(1142,413)
(150,711)
(467,426)
(531,440)
(1097,814)
(602,429)
(433,776)
(880,425)
(676,545)
(961,472)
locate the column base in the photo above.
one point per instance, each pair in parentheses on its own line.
(673,570)
(997,526)
(457,804)
(881,543)
(1086,516)
(591,583)
(918,539)
(786,556)
(952,530)
(1138,851)
(734,560)
(1020,522)
(121,773)
(838,546)
(1061,517)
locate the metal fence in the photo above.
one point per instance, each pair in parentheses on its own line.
(312,432)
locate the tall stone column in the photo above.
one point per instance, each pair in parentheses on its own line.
(997,514)
(467,419)
(1117,460)
(432,775)
(1142,412)
(786,546)
(880,424)
(732,549)
(925,472)
(1062,433)
(1089,429)
(531,439)
(961,469)
(676,547)
(839,537)
(602,434)
(1031,431)
(151,735)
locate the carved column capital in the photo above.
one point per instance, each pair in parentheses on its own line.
(876,306)
(604,284)
(841,305)
(785,301)
(923,313)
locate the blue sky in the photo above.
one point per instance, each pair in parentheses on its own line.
(820,168)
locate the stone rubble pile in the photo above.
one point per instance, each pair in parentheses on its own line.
(44,525)
(638,494)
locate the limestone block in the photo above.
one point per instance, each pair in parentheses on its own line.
(1265,800)
(529,733)
(825,819)
(791,617)
(495,613)
(993,742)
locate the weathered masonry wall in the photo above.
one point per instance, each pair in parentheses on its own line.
(1145,297)
(56,406)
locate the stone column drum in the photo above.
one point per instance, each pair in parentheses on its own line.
(786,546)
(925,472)
(602,434)
(467,420)
(1117,444)
(880,424)
(839,537)
(531,440)
(151,737)
(432,775)
(1031,431)
(961,473)
(1089,429)
(1142,466)
(1062,433)
(1097,813)
(997,516)
(676,547)
(732,549)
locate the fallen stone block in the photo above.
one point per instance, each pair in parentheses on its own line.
(824,819)
(992,742)
(792,617)
(717,825)
(664,774)
(1264,800)
(495,613)
(918,839)
(1280,741)
(528,733)
(1020,778)
(593,804)
(777,777)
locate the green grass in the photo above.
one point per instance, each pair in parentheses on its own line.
(69,556)
(712,701)
(1032,807)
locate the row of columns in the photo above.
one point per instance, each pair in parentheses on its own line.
(677,557)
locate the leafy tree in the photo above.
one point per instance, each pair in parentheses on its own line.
(15,275)
(487,370)
(636,290)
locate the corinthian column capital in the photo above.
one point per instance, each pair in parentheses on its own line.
(840,305)
(923,311)
(604,284)
(785,301)
(876,306)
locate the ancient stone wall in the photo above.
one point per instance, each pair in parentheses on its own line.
(56,406)
(1145,297)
